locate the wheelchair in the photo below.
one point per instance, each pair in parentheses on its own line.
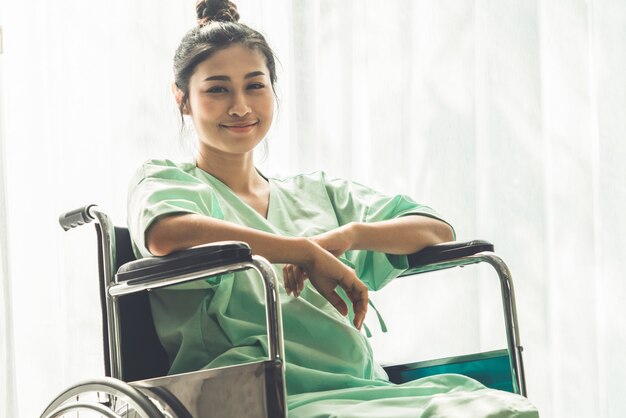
(136,365)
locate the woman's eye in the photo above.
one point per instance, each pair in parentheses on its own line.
(217,89)
(255,86)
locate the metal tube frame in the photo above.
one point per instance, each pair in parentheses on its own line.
(514,346)
(109,263)
(510,318)
(258,263)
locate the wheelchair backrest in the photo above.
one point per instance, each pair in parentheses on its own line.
(143,356)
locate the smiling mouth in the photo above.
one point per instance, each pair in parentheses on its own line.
(241,127)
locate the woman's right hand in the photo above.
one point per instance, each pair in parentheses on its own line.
(326,272)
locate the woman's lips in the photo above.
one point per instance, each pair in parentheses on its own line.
(241,127)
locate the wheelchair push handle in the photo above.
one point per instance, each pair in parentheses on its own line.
(76,217)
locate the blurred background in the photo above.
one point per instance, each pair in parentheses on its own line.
(508,117)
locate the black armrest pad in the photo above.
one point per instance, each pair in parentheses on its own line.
(184,262)
(448,251)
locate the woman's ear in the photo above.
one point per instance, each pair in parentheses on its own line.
(178,96)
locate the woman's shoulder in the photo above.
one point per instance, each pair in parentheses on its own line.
(308,177)
(302,181)
(320,180)
(165,169)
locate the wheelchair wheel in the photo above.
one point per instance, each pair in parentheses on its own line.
(105,397)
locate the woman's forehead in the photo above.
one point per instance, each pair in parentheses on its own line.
(236,61)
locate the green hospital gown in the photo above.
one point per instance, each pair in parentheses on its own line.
(221,321)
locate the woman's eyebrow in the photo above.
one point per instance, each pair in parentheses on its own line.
(254,74)
(227,78)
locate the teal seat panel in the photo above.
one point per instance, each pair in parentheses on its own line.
(492,369)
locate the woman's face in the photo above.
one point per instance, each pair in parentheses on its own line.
(231,101)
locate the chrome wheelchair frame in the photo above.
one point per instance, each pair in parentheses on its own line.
(128,392)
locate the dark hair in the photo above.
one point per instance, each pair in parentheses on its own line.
(218,28)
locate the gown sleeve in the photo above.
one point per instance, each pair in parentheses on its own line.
(162,188)
(354,202)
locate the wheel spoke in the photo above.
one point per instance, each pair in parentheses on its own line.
(107,397)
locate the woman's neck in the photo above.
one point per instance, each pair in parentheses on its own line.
(237,172)
(240,175)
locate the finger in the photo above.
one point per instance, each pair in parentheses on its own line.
(287,278)
(300,277)
(358,295)
(294,280)
(335,300)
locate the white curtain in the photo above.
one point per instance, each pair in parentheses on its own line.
(509,117)
(7,365)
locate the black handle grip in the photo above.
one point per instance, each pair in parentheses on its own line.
(76,217)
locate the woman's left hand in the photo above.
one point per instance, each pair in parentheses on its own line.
(336,242)
(326,273)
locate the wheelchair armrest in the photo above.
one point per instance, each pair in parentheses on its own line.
(445,255)
(457,254)
(185,262)
(204,261)
(448,251)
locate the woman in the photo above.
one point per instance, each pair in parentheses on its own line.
(330,239)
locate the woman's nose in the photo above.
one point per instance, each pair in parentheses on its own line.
(239,106)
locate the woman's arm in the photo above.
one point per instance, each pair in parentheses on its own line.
(404,235)
(177,232)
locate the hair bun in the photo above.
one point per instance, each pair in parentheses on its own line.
(216,11)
